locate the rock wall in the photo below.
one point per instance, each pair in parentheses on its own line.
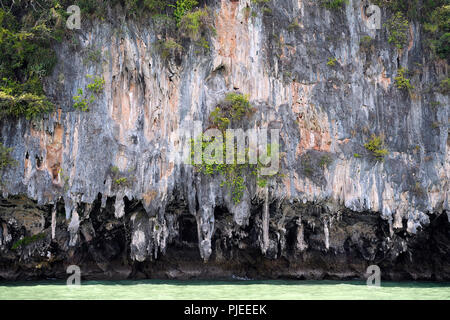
(166,219)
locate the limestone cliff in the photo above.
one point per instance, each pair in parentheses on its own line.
(318,219)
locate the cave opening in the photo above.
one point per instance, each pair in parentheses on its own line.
(132,206)
(188,229)
(291,235)
(220,213)
(38,161)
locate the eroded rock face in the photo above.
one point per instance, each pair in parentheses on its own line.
(165,218)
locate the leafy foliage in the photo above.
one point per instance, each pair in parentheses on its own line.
(98,8)
(260,2)
(5,157)
(197,25)
(333,4)
(401,82)
(80,102)
(366,43)
(325,161)
(331,62)
(439,30)
(444,86)
(398,27)
(96,87)
(434,16)
(26,57)
(168,48)
(233,108)
(264,5)
(121,181)
(27,240)
(376,146)
(182,7)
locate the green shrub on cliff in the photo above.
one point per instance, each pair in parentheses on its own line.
(181,8)
(444,86)
(197,25)
(376,146)
(121,181)
(193,22)
(168,48)
(439,31)
(401,82)
(81,101)
(398,27)
(23,104)
(331,62)
(27,240)
(137,8)
(233,108)
(5,157)
(154,5)
(366,43)
(97,85)
(333,4)
(325,161)
(260,2)
(26,57)
(264,6)
(434,15)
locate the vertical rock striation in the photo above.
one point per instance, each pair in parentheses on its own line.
(331,214)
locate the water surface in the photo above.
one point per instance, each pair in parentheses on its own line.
(217,290)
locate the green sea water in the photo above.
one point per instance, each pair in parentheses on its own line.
(230,290)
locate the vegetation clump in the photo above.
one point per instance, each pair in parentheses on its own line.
(117,178)
(333,4)
(26,57)
(260,2)
(325,161)
(293,25)
(434,17)
(96,87)
(398,27)
(401,82)
(5,157)
(438,29)
(376,146)
(181,8)
(331,62)
(366,43)
(27,240)
(121,181)
(444,86)
(264,5)
(197,26)
(168,48)
(233,109)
